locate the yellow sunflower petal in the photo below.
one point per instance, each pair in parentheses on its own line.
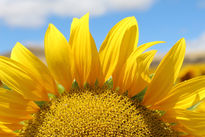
(20,79)
(117,46)
(184,94)
(13,115)
(86,58)
(201,106)
(59,56)
(128,67)
(6,132)
(191,122)
(14,108)
(139,50)
(135,76)
(95,67)
(14,100)
(35,66)
(14,118)
(166,74)
(188,136)
(13,126)
(143,79)
(74,25)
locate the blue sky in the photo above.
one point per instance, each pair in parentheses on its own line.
(164,20)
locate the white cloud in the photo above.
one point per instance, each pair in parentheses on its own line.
(197,44)
(34,13)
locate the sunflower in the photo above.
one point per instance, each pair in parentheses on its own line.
(84,92)
(191,71)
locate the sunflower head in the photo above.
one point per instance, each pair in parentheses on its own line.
(105,93)
(190,71)
(95,112)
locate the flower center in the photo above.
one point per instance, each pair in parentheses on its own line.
(95,112)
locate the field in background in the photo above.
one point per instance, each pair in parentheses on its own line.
(193,65)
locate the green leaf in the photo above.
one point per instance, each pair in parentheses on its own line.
(140,95)
(75,84)
(61,89)
(40,103)
(109,83)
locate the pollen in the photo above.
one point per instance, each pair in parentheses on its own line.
(95,112)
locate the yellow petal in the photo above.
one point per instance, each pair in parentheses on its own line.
(6,132)
(117,46)
(184,94)
(95,66)
(166,74)
(14,108)
(74,25)
(188,136)
(135,76)
(191,122)
(86,58)
(6,114)
(143,79)
(35,66)
(14,100)
(14,118)
(59,56)
(139,50)
(201,106)
(13,126)
(20,79)
(127,68)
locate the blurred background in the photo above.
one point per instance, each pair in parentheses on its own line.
(26,21)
